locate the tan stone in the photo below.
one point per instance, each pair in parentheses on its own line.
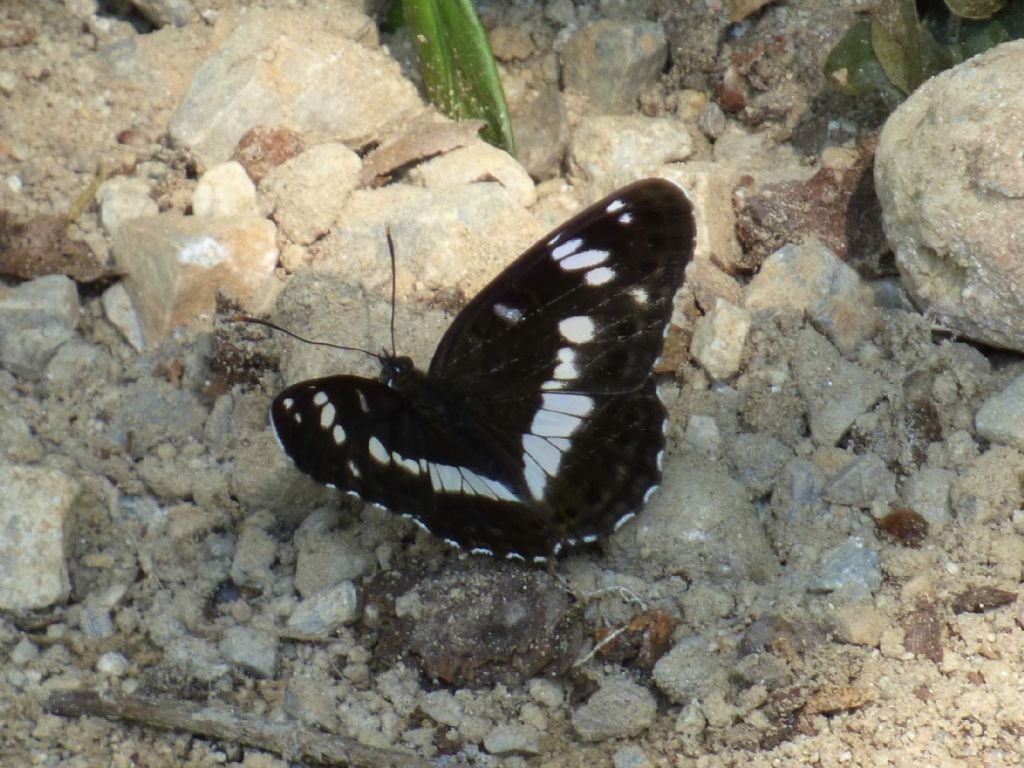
(174,265)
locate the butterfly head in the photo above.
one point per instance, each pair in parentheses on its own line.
(393,370)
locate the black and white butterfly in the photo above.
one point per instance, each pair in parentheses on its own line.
(538,424)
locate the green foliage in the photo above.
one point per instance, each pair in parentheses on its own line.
(459,71)
(905,43)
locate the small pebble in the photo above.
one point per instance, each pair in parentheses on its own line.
(24,652)
(113,664)
(513,740)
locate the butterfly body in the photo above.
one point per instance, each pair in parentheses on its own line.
(537,425)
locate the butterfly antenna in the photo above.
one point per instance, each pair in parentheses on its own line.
(394,280)
(286,332)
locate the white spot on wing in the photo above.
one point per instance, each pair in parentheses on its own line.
(288,403)
(639,296)
(561,443)
(548,385)
(363,405)
(583,260)
(297,417)
(327,416)
(510,315)
(599,276)
(553,424)
(451,480)
(614,205)
(536,478)
(410,465)
(626,218)
(577,329)
(354,470)
(339,434)
(566,368)
(319,398)
(577,405)
(567,248)
(379,452)
(544,453)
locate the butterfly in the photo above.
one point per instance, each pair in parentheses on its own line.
(538,424)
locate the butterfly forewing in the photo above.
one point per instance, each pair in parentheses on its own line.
(601,284)
(538,423)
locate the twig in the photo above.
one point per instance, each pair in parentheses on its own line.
(289,740)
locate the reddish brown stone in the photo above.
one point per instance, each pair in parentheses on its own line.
(923,633)
(263,148)
(978,599)
(640,643)
(905,525)
(836,206)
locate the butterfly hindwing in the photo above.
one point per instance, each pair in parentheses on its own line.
(362,436)
(538,424)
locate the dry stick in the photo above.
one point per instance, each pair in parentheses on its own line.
(289,740)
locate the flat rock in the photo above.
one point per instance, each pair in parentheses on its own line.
(255,553)
(602,147)
(990,487)
(118,309)
(35,507)
(835,391)
(327,554)
(850,571)
(810,279)
(478,162)
(719,339)
(460,235)
(618,709)
(950,177)
(296,68)
(327,610)
(608,63)
(1001,417)
(864,480)
(308,191)
(174,265)
(36,318)
(123,198)
(495,623)
(253,650)
(926,491)
(224,190)
(699,501)
(152,411)
(690,670)
(513,739)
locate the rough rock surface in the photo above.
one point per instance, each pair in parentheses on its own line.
(950,175)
